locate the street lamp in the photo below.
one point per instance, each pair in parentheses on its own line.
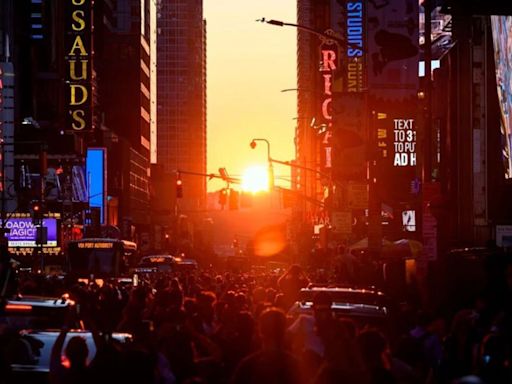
(327,37)
(269,160)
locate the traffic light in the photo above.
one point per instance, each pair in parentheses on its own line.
(223,197)
(179,188)
(233,199)
(37,210)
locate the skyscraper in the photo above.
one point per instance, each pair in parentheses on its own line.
(128,71)
(181,93)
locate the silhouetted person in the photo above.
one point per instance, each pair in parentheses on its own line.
(291,283)
(272,364)
(376,357)
(342,361)
(76,352)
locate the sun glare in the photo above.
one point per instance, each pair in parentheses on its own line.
(255,179)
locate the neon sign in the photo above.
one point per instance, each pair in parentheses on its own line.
(78,50)
(355,33)
(328,66)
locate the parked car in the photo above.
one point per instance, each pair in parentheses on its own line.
(30,325)
(366,306)
(39,312)
(29,354)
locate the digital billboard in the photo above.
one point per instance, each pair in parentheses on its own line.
(22,232)
(96,170)
(502,41)
(393,48)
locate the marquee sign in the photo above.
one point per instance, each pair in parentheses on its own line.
(22,232)
(327,68)
(78,61)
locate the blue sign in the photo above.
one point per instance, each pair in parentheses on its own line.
(96,172)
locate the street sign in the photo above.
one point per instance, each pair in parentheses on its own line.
(357,195)
(341,222)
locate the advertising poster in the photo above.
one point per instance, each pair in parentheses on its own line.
(502,39)
(393,52)
(22,232)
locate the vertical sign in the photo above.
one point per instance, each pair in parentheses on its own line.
(348,22)
(96,170)
(328,66)
(78,61)
(393,57)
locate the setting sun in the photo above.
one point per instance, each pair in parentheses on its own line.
(255,179)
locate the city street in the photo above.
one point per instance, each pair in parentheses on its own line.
(277,192)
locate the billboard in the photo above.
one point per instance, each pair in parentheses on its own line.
(96,169)
(502,40)
(396,141)
(22,232)
(393,83)
(393,52)
(78,63)
(63,181)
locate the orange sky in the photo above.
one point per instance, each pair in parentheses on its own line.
(248,64)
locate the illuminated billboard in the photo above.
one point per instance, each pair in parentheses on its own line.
(22,232)
(393,48)
(502,39)
(78,61)
(96,169)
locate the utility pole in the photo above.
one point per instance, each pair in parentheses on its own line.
(374,204)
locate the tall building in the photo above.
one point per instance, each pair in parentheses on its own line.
(126,75)
(181,109)
(92,61)
(8,199)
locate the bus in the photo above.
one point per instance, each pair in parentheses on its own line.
(101,257)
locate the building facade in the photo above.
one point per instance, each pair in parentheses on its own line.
(181,108)
(351,92)
(80,78)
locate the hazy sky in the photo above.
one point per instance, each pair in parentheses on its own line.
(248,65)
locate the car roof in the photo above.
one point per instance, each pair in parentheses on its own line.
(186,261)
(353,309)
(340,289)
(42,301)
(164,256)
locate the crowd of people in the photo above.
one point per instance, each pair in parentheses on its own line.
(208,327)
